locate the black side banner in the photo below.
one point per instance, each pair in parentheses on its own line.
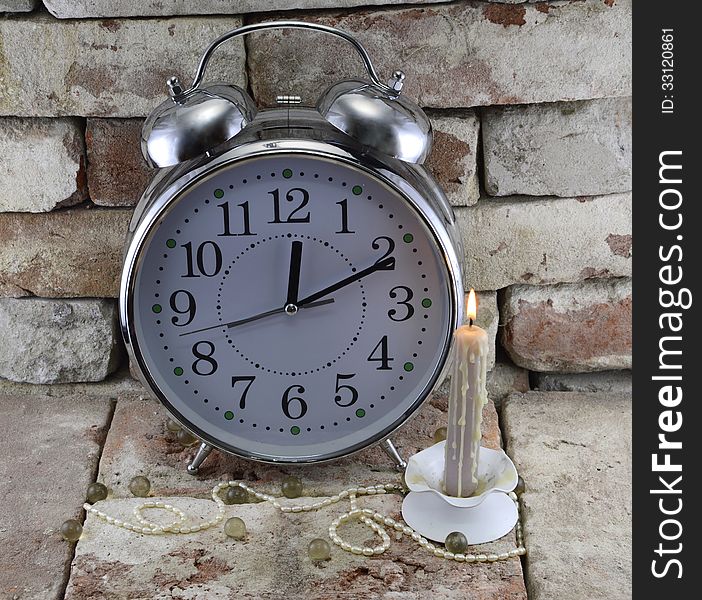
(667,264)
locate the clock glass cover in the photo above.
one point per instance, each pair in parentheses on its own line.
(291,308)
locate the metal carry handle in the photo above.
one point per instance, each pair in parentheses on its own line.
(395,84)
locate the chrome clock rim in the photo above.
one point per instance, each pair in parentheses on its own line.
(165,201)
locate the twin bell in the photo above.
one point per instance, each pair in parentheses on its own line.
(197,121)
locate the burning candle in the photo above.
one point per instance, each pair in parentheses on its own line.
(467,397)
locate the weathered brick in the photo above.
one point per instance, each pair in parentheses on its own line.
(504,379)
(78,9)
(453,157)
(461,54)
(114,68)
(550,240)
(272,562)
(18,5)
(43,164)
(564,149)
(51,447)
(58,341)
(604,381)
(573,451)
(116,384)
(69,253)
(117,172)
(488,319)
(568,327)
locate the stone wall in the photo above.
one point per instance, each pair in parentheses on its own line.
(530,103)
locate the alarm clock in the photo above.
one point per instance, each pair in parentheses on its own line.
(291,279)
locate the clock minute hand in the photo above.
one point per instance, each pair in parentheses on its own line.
(385,264)
(272,312)
(262,315)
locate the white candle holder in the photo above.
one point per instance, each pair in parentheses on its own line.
(485,516)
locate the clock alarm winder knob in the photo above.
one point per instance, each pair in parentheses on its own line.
(379,117)
(194,122)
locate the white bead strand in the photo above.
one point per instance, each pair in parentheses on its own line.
(373,520)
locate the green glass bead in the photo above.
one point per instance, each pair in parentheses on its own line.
(185,438)
(173,426)
(519,490)
(319,549)
(71,530)
(236,495)
(140,486)
(96,491)
(235,528)
(456,542)
(291,487)
(440,435)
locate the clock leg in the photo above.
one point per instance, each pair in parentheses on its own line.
(392,452)
(202,453)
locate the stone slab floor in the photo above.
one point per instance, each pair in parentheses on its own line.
(573,450)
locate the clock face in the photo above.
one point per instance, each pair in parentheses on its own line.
(291,307)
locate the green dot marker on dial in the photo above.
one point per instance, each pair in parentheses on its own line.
(287,173)
(360,413)
(156,308)
(408,366)
(357,190)
(426,303)
(171,243)
(178,371)
(229,415)
(295,430)
(408,238)
(218,193)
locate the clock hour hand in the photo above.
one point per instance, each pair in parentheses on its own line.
(294,277)
(386,264)
(262,315)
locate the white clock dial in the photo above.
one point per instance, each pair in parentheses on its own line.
(291,307)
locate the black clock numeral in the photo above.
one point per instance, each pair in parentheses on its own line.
(391,248)
(227,220)
(188,310)
(344,217)
(291,197)
(248,380)
(204,357)
(288,400)
(353,390)
(384,359)
(203,260)
(406,303)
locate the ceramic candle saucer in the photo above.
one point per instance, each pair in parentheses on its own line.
(433,518)
(496,473)
(485,516)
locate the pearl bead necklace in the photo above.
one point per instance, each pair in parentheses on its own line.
(150,528)
(374,520)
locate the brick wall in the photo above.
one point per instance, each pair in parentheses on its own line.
(531,106)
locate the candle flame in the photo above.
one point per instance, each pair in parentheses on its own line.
(472,305)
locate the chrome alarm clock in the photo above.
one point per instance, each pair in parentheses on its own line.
(291,280)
